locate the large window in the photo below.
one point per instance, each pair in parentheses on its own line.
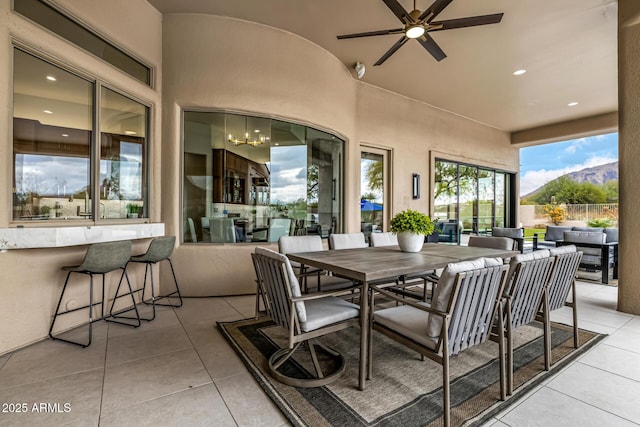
(64,169)
(254,179)
(471,199)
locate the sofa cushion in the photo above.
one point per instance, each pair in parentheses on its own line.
(578,237)
(560,250)
(514,233)
(612,234)
(588,229)
(555,232)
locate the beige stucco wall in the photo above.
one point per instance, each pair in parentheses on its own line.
(269,71)
(629,153)
(31,280)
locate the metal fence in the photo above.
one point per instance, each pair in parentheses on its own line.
(582,212)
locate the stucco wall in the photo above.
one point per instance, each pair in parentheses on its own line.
(223,63)
(31,279)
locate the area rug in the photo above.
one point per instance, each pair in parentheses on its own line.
(404,390)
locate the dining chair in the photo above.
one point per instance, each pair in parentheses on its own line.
(192,230)
(463,308)
(100,259)
(561,282)
(516,234)
(528,277)
(160,249)
(222,230)
(306,318)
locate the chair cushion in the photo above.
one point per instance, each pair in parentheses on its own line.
(612,234)
(408,321)
(295,244)
(588,229)
(293,280)
(326,311)
(505,243)
(565,249)
(578,237)
(442,292)
(514,233)
(542,253)
(347,241)
(383,239)
(555,232)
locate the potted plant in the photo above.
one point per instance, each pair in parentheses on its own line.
(411,227)
(133,210)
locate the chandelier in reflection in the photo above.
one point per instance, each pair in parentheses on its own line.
(253,141)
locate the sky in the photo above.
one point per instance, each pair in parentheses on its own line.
(544,163)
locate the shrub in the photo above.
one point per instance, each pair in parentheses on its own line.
(600,222)
(413,221)
(555,213)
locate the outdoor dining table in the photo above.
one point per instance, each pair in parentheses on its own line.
(366,265)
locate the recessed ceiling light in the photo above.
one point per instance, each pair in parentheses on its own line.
(572,104)
(276,143)
(519,72)
(256,130)
(129,132)
(47,111)
(65,135)
(51,78)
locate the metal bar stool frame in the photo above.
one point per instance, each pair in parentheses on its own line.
(160,249)
(91,265)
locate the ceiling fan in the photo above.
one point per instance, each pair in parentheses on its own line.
(417,25)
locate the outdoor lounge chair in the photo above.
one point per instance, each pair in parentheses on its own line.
(516,234)
(464,306)
(304,317)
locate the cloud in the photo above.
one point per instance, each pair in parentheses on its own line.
(576,144)
(532,180)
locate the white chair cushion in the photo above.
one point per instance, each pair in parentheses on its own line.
(408,321)
(383,239)
(347,241)
(326,311)
(293,280)
(444,288)
(295,244)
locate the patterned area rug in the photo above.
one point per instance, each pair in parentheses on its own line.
(404,390)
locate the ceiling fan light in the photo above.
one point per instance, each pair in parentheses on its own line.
(414,31)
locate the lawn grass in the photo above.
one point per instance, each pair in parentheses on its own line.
(529,232)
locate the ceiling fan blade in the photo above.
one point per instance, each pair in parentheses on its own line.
(372,33)
(432,47)
(398,10)
(471,21)
(434,10)
(391,51)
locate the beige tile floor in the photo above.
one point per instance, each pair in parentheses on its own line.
(178,370)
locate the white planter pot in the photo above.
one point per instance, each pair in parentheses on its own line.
(410,242)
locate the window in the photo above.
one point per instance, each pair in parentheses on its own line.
(254,179)
(471,199)
(54,144)
(51,19)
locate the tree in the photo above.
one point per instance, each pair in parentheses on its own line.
(567,191)
(375,176)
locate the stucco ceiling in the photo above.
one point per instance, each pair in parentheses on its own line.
(568,47)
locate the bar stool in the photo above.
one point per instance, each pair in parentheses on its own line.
(160,249)
(101,258)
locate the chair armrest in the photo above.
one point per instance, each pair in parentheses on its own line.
(408,302)
(317,295)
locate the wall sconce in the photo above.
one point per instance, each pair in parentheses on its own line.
(415,186)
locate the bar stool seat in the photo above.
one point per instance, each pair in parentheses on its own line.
(160,249)
(100,259)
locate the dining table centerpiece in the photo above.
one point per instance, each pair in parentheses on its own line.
(411,227)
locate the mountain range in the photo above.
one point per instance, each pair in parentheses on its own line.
(595,174)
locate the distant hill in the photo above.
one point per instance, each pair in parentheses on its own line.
(596,175)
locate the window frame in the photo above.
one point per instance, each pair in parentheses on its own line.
(94,155)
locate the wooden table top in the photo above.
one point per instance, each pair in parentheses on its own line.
(367,264)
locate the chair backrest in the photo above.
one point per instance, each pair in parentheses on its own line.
(347,241)
(279,284)
(505,243)
(222,230)
(567,261)
(192,230)
(469,291)
(585,237)
(106,257)
(383,239)
(159,249)
(294,244)
(278,227)
(514,233)
(528,275)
